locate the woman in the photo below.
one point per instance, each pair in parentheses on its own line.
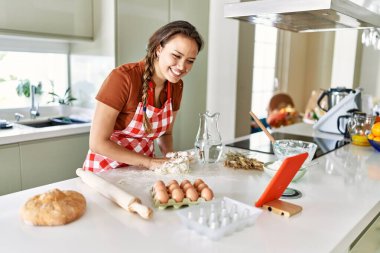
(138,102)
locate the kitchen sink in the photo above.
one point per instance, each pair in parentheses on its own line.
(59,121)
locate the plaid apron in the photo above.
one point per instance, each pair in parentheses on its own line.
(134,136)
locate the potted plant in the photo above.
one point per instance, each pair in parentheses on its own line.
(67,98)
(23,88)
(64,102)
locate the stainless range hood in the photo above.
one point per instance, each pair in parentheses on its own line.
(308,15)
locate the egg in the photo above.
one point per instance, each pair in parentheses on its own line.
(173,187)
(192,194)
(187,186)
(178,195)
(184,182)
(198,182)
(159,185)
(162,196)
(173,182)
(201,187)
(207,194)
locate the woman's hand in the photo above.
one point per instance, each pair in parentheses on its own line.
(155,163)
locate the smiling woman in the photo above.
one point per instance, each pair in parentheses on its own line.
(32,68)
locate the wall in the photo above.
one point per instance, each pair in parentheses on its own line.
(92,61)
(244,79)
(196,83)
(222,68)
(370,72)
(305,64)
(291,65)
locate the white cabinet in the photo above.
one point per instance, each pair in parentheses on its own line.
(10,180)
(47,18)
(51,160)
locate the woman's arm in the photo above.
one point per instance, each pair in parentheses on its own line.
(165,142)
(100,133)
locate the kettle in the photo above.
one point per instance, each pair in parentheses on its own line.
(334,96)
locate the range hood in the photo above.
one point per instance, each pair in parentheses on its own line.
(308,15)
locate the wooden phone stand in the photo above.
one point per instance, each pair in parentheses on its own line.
(282,208)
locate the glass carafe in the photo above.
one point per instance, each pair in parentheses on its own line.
(208,143)
(359,126)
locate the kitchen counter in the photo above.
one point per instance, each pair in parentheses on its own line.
(341,196)
(21,133)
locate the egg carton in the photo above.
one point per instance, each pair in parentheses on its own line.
(218,218)
(174,204)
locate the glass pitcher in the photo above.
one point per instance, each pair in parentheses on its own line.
(359,126)
(208,143)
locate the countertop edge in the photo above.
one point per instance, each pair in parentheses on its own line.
(30,134)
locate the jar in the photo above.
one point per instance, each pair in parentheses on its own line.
(359,126)
(208,142)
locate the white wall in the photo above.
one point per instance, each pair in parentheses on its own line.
(222,68)
(344,59)
(370,72)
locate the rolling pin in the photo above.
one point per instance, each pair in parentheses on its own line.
(114,193)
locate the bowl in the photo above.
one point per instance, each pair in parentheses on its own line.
(286,148)
(271,169)
(375,144)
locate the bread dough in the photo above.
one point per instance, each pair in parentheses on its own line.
(53,208)
(179,163)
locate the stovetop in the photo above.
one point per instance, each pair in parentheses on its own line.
(263,145)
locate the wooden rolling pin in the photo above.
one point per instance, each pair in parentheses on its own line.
(114,193)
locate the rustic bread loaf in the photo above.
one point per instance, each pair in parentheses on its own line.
(53,208)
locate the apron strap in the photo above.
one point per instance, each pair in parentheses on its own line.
(169,90)
(151,94)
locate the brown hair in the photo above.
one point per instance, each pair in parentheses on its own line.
(160,38)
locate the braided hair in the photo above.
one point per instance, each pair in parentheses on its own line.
(160,38)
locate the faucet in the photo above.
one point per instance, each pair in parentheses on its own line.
(18,116)
(34,107)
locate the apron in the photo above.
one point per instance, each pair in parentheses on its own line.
(134,137)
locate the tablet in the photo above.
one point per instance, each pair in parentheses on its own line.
(281,179)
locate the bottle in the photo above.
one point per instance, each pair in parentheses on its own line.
(208,142)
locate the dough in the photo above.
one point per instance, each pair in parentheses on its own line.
(53,208)
(177,164)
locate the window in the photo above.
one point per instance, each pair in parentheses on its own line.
(264,81)
(23,62)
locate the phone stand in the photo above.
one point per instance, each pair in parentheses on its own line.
(282,208)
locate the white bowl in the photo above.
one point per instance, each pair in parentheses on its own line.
(286,148)
(271,169)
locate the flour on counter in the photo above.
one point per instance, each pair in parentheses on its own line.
(179,163)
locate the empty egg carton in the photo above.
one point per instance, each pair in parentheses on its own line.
(219,218)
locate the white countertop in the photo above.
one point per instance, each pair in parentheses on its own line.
(21,133)
(340,197)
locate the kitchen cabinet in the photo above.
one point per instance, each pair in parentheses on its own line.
(10,179)
(368,241)
(70,19)
(51,160)
(136,21)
